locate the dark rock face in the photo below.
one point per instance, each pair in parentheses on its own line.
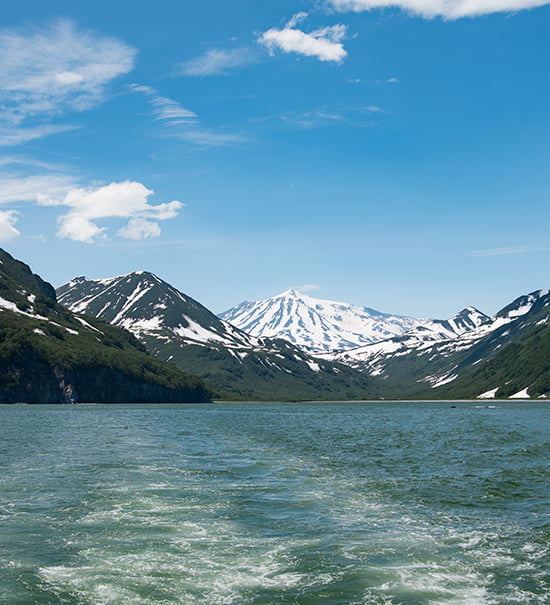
(30,379)
(108,385)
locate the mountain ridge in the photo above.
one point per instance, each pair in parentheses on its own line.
(429,360)
(433,359)
(177,328)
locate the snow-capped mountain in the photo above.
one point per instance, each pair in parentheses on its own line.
(50,355)
(438,353)
(316,325)
(147,306)
(468,355)
(177,328)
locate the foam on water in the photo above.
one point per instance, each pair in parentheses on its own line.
(275,504)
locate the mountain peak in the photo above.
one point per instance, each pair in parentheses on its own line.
(314,324)
(292,293)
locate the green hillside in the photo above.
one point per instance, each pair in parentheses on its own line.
(48,354)
(524,364)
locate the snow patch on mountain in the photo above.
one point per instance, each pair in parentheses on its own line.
(316,325)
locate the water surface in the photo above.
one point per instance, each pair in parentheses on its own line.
(386,503)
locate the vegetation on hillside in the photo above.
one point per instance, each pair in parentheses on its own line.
(42,344)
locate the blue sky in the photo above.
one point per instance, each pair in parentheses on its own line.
(388,154)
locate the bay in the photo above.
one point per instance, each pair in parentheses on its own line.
(265,503)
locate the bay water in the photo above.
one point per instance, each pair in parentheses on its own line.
(271,503)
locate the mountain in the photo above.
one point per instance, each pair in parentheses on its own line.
(514,360)
(51,355)
(446,359)
(234,364)
(316,325)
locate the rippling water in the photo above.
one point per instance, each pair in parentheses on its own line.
(275,503)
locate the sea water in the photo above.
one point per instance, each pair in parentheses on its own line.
(341,503)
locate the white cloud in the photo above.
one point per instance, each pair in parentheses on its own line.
(448,9)
(10,135)
(184,123)
(47,72)
(306,288)
(208,138)
(510,250)
(36,188)
(165,109)
(324,43)
(116,200)
(139,228)
(87,205)
(313,119)
(217,62)
(354,116)
(8,218)
(79,229)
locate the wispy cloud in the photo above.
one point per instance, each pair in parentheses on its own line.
(217,62)
(312,119)
(306,288)
(325,118)
(510,250)
(51,71)
(448,9)
(165,109)
(325,43)
(183,123)
(13,135)
(34,188)
(388,81)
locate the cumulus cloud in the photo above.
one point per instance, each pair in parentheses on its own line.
(448,9)
(49,71)
(140,228)
(81,208)
(216,62)
(324,43)
(117,200)
(79,229)
(8,218)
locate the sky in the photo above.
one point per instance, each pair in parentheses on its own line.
(387,153)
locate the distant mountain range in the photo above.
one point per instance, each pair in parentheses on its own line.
(89,342)
(316,325)
(467,355)
(427,360)
(234,364)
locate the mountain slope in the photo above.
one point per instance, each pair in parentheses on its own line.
(425,363)
(316,325)
(50,355)
(236,365)
(519,370)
